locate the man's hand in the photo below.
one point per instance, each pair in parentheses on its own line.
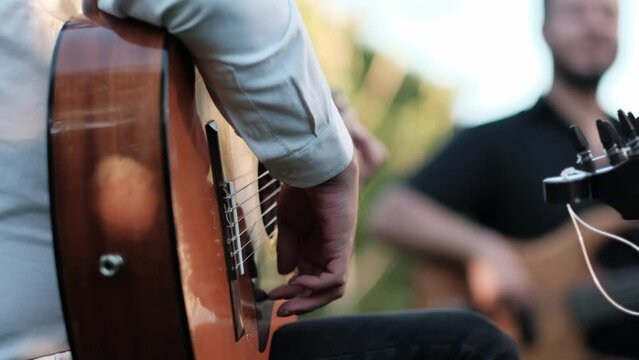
(371,153)
(498,280)
(316,236)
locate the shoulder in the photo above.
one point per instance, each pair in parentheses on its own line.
(525,125)
(499,131)
(516,122)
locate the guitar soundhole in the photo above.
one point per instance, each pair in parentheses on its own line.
(268,200)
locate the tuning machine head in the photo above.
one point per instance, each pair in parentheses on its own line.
(633,119)
(584,155)
(611,142)
(629,129)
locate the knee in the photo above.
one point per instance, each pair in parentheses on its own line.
(484,338)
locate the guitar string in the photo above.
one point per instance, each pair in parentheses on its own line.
(575,218)
(266,186)
(248,257)
(245,214)
(260,176)
(259,246)
(251,227)
(271,222)
(270,235)
(229,210)
(236,253)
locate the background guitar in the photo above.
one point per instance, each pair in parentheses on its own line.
(565,297)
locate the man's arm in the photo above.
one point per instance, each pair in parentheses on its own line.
(413,220)
(260,67)
(370,152)
(427,215)
(425,211)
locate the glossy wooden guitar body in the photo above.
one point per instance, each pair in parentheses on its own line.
(145,265)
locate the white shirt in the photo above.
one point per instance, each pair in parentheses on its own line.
(254,54)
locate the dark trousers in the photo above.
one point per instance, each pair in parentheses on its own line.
(424,335)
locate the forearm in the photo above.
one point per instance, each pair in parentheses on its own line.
(259,64)
(412,220)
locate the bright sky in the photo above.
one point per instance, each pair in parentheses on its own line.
(491,51)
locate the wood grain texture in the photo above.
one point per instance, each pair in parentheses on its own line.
(130,175)
(109,186)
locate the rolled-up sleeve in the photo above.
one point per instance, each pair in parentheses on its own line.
(259,65)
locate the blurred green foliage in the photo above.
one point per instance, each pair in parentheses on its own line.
(410,116)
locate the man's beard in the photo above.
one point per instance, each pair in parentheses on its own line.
(579,81)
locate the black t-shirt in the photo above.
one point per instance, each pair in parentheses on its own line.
(493,174)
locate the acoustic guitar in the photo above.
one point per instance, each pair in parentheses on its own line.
(565,299)
(161,221)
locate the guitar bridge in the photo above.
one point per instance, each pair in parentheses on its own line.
(232,233)
(228,209)
(237,236)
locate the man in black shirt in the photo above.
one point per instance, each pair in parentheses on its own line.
(484,190)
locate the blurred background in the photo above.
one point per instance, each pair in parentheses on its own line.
(416,70)
(491,53)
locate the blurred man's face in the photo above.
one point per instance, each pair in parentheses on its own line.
(582,35)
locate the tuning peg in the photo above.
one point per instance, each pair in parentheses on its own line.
(627,127)
(581,146)
(607,134)
(633,120)
(579,142)
(611,142)
(629,131)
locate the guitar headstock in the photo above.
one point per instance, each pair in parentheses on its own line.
(613,183)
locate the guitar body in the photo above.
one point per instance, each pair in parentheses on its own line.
(146,265)
(556,266)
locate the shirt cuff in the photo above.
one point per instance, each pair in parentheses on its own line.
(322,159)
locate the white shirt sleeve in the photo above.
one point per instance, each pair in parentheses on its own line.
(258,61)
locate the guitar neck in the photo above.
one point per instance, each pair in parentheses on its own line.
(590,308)
(601,217)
